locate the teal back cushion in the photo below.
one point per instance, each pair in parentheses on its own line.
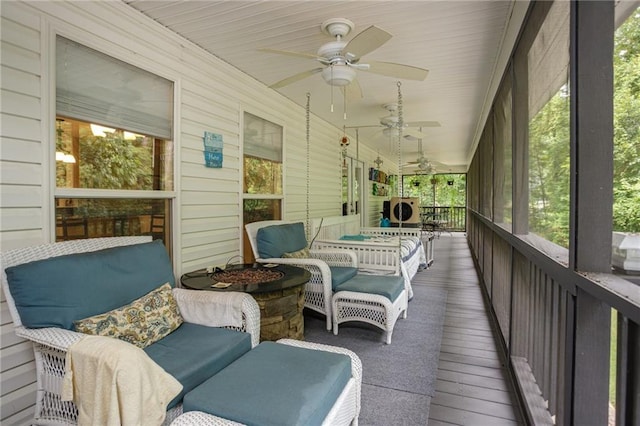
(57,291)
(275,240)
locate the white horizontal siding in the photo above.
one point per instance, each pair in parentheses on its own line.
(19,81)
(17,127)
(20,376)
(21,194)
(211,96)
(17,406)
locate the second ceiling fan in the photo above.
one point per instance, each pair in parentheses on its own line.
(390,124)
(422,163)
(340,59)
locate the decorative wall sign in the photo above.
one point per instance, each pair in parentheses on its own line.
(212,149)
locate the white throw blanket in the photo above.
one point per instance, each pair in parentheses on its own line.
(225,310)
(113,382)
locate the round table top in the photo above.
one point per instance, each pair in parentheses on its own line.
(292,276)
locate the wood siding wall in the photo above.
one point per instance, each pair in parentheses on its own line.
(210,96)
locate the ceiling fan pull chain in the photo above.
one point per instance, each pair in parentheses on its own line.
(332,88)
(345,105)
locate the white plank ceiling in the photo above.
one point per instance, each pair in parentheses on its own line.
(463,44)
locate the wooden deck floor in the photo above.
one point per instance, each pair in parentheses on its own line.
(472,386)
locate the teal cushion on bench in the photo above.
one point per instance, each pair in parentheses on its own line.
(340,274)
(57,291)
(275,240)
(389,286)
(358,237)
(274,385)
(210,349)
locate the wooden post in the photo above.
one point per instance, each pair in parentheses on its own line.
(592,33)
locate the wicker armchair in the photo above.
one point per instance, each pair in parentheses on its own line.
(50,344)
(343,297)
(318,291)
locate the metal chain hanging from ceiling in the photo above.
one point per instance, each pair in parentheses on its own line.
(400,126)
(308,135)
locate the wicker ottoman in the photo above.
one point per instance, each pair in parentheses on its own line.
(375,299)
(280,384)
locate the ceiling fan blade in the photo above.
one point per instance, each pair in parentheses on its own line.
(423,124)
(294,78)
(352,91)
(367,41)
(289,53)
(414,133)
(363,127)
(405,72)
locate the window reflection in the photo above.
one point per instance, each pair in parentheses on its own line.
(93,218)
(98,157)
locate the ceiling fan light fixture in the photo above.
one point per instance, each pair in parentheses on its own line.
(338,75)
(388,131)
(390,121)
(393,132)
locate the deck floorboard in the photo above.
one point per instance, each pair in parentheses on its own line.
(472,386)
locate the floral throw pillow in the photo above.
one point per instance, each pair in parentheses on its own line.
(142,322)
(300,254)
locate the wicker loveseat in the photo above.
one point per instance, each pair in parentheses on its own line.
(49,287)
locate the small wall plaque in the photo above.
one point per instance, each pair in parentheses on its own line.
(213,149)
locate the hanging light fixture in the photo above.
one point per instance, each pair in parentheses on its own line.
(378,161)
(65,158)
(338,75)
(98,130)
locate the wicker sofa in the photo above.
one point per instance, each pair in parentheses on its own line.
(49,287)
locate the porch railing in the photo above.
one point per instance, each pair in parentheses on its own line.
(444,218)
(555,326)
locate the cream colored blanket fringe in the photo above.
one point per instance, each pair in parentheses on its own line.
(113,382)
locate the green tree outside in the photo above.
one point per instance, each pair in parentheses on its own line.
(549,148)
(626,122)
(443,189)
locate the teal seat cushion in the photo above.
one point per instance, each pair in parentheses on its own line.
(340,274)
(358,237)
(389,286)
(275,240)
(57,291)
(274,385)
(210,349)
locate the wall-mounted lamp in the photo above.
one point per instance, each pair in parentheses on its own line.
(65,158)
(98,130)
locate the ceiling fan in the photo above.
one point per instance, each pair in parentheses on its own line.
(391,123)
(341,59)
(422,163)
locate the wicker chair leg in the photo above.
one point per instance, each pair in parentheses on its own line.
(370,308)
